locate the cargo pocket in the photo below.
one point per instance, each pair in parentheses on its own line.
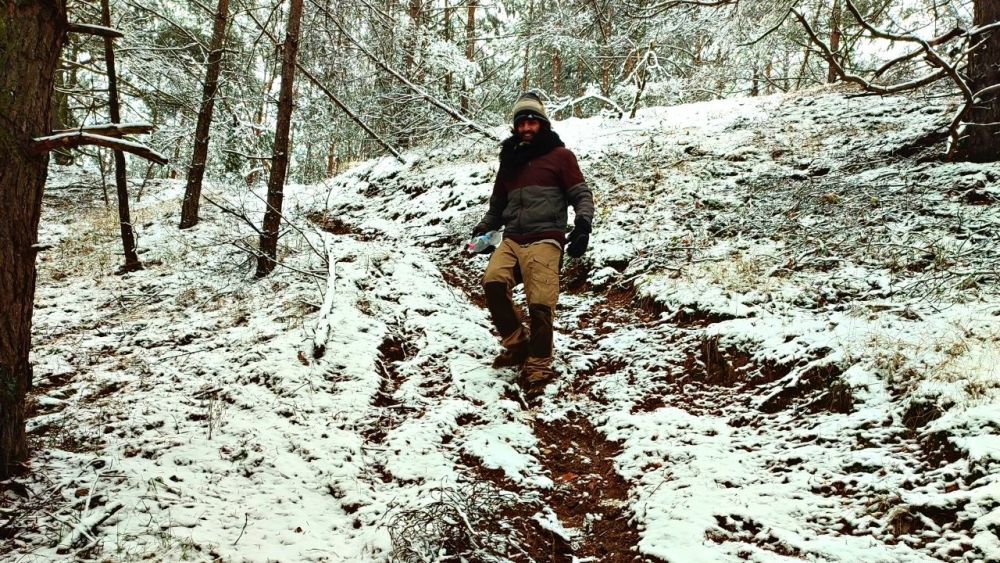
(544,284)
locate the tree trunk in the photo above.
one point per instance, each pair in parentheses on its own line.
(410,58)
(279,161)
(332,164)
(470,49)
(132,262)
(62,116)
(192,193)
(449,9)
(803,68)
(981,139)
(556,72)
(581,71)
(526,73)
(835,34)
(31,36)
(768,72)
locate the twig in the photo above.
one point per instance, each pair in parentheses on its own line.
(246,520)
(86,526)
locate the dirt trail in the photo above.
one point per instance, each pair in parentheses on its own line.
(589,498)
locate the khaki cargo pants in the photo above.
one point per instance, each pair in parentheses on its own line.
(537,264)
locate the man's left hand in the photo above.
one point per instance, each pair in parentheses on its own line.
(579,238)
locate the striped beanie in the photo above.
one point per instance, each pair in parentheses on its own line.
(529,106)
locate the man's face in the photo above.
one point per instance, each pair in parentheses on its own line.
(526,129)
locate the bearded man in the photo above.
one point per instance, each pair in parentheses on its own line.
(537,181)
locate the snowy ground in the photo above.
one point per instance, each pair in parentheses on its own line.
(782,346)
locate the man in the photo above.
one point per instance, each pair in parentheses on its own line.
(537,180)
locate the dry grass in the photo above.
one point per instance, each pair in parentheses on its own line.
(961,363)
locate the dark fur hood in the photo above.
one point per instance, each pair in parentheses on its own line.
(514,155)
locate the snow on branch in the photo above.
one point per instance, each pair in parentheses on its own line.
(589,96)
(99,30)
(658,8)
(78,138)
(110,129)
(86,526)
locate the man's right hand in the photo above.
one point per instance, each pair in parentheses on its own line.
(480,229)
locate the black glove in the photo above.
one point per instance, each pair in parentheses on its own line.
(480,229)
(579,237)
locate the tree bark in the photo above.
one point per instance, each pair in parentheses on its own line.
(470,49)
(279,162)
(556,72)
(31,37)
(410,59)
(981,139)
(332,163)
(449,9)
(526,72)
(835,34)
(192,193)
(62,116)
(132,262)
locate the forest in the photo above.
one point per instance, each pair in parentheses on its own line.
(782,345)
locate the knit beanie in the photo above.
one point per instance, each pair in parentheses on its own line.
(529,106)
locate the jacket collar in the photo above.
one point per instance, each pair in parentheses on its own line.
(514,154)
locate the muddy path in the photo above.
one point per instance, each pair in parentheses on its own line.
(588,498)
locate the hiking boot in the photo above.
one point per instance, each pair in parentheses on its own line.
(535,375)
(512,357)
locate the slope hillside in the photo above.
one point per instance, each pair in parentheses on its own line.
(781,346)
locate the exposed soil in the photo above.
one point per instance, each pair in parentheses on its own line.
(391,352)
(589,497)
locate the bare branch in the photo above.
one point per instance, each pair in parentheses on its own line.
(956,32)
(80,138)
(234,213)
(770,30)
(175,25)
(110,129)
(99,30)
(247,156)
(872,87)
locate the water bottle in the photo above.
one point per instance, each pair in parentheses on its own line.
(484,241)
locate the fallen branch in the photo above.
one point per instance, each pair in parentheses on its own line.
(605,100)
(234,213)
(87,526)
